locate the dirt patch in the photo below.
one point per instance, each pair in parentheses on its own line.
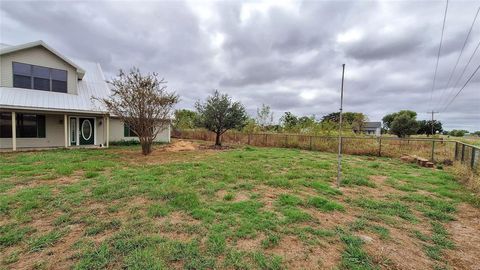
(399,252)
(59,256)
(37,182)
(269,195)
(381,190)
(250,244)
(331,220)
(177,146)
(177,218)
(297,255)
(237,196)
(176,235)
(465,233)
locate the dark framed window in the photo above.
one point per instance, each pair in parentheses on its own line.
(59,80)
(22,75)
(128,132)
(28,125)
(39,78)
(5,125)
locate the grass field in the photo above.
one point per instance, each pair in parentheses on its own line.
(242,208)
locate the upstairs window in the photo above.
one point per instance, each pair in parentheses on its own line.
(22,75)
(59,80)
(39,78)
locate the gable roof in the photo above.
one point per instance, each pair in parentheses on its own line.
(4,49)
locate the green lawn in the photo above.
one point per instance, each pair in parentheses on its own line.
(245,208)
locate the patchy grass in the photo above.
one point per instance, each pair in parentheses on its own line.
(243,208)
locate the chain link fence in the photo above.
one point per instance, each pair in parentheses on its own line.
(437,150)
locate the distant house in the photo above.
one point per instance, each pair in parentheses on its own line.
(372,128)
(46,101)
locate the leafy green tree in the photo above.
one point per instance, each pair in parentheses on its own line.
(219,114)
(184,119)
(476,133)
(425,127)
(250,126)
(289,121)
(458,133)
(355,120)
(306,122)
(388,119)
(404,125)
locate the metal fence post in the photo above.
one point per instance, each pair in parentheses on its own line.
(380,147)
(456,150)
(472,162)
(433,151)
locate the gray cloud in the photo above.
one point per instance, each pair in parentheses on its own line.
(286,55)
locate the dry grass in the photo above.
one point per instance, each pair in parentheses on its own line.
(361,145)
(466,176)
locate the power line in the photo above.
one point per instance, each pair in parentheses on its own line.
(438,54)
(458,59)
(463,71)
(463,87)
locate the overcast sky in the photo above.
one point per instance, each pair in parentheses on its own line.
(287,54)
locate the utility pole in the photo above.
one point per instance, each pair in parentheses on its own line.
(339,167)
(432,123)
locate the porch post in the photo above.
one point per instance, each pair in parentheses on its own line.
(108,130)
(14,131)
(65,126)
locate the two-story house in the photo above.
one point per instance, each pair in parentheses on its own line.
(48,100)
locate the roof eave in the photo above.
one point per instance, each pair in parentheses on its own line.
(45,109)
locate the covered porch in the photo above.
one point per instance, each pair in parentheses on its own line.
(28,130)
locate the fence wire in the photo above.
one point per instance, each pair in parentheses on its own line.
(437,150)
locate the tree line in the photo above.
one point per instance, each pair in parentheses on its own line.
(220,107)
(145,105)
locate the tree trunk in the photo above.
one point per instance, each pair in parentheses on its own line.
(146,146)
(218,141)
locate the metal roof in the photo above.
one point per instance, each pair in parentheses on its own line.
(93,84)
(373,125)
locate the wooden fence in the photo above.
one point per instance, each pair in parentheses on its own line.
(437,150)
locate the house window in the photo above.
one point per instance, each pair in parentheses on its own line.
(28,125)
(128,132)
(39,78)
(5,125)
(59,80)
(22,75)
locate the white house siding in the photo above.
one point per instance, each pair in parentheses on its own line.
(36,56)
(116,132)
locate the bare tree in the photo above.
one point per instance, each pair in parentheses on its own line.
(264,117)
(143,103)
